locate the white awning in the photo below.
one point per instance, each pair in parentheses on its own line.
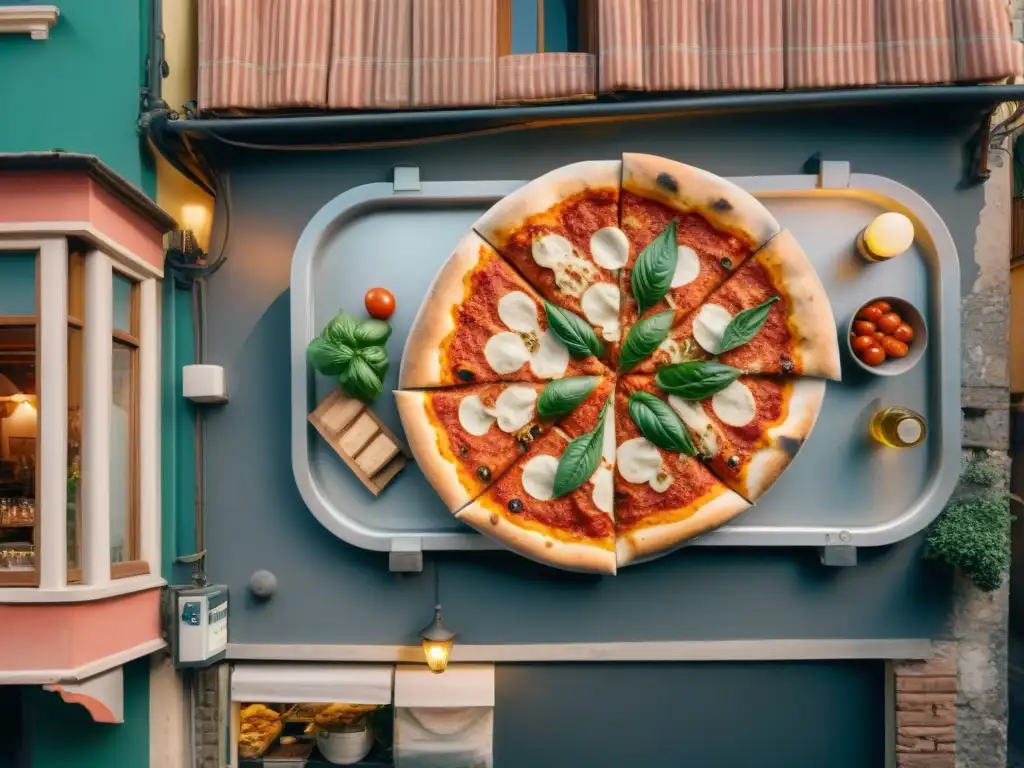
(461,685)
(312,683)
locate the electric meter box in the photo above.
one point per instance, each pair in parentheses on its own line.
(197,624)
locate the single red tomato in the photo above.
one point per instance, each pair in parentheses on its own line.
(873,355)
(861,343)
(889,322)
(870,313)
(903,333)
(894,347)
(380,303)
(863,327)
(885,306)
(878,335)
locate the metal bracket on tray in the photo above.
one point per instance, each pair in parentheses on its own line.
(840,555)
(407,178)
(406,555)
(833,174)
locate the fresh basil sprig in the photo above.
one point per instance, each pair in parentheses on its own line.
(696,380)
(353,351)
(573,331)
(643,338)
(659,423)
(654,269)
(745,326)
(580,460)
(563,395)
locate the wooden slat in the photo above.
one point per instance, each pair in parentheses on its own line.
(378,453)
(356,437)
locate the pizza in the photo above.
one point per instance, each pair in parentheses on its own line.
(481,322)
(561,232)
(798,336)
(588,437)
(717,224)
(663,498)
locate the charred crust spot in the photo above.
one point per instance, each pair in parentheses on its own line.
(535,431)
(722,205)
(548,544)
(465,375)
(494,519)
(790,444)
(786,364)
(668,181)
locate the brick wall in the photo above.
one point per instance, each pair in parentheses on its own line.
(926,695)
(209,728)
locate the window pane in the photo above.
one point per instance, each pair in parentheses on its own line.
(76,286)
(17,283)
(18,419)
(76,360)
(123,304)
(122,425)
(524,26)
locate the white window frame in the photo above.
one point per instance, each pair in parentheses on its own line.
(52,377)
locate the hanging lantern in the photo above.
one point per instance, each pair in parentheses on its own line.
(437,643)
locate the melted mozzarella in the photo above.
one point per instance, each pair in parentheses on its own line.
(518,312)
(474,417)
(709,326)
(693,416)
(661,482)
(687,266)
(672,349)
(573,275)
(506,352)
(552,250)
(515,408)
(551,358)
(735,405)
(604,490)
(539,477)
(608,442)
(610,248)
(600,305)
(638,460)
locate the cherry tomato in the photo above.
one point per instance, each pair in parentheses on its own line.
(904,333)
(873,355)
(894,347)
(889,322)
(863,327)
(878,335)
(885,306)
(870,313)
(380,303)
(861,343)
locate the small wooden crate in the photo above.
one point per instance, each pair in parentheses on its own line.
(362,441)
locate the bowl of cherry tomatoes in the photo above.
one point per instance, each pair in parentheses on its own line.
(887,336)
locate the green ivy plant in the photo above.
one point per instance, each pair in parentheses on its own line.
(352,351)
(972,533)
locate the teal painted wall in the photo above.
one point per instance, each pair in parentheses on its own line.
(62,735)
(79,90)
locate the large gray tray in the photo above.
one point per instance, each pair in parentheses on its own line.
(842,489)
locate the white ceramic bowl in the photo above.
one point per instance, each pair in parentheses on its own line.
(345,747)
(894,366)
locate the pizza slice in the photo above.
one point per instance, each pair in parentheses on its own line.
(750,431)
(480,322)
(463,438)
(717,225)
(561,232)
(799,332)
(574,532)
(662,498)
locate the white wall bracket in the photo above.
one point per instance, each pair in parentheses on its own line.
(102,695)
(32,20)
(204,384)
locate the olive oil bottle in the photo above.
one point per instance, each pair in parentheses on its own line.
(898,427)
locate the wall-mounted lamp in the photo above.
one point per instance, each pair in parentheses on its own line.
(186,254)
(437,642)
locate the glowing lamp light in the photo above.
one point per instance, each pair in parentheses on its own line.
(888,235)
(437,643)
(195,218)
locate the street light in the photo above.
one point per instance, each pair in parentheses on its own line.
(437,643)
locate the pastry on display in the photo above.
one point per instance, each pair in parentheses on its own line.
(621,356)
(259,725)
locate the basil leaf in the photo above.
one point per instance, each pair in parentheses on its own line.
(377,358)
(562,395)
(696,380)
(341,330)
(580,460)
(659,423)
(358,380)
(371,333)
(643,338)
(745,326)
(654,269)
(329,359)
(574,333)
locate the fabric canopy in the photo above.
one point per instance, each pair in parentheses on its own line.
(312,683)
(461,685)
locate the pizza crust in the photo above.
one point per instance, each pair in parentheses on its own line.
(657,540)
(569,556)
(767,464)
(422,435)
(422,358)
(543,193)
(811,322)
(687,189)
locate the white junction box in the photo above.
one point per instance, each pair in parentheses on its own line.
(198,625)
(204,383)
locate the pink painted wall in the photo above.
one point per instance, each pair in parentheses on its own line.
(69,635)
